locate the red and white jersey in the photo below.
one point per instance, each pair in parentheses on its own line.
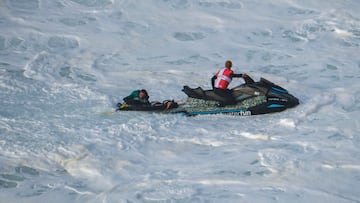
(223,78)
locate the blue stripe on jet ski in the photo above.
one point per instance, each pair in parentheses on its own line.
(279,90)
(275,106)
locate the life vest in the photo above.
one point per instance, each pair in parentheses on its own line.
(223,78)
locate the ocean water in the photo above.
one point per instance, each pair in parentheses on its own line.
(63,63)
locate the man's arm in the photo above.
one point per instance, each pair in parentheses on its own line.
(213,81)
(234,75)
(248,79)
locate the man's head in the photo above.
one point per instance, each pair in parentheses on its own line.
(228,64)
(143,94)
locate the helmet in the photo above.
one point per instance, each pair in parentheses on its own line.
(228,64)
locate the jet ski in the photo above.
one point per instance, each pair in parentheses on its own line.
(260,97)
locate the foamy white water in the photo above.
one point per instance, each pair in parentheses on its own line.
(64,62)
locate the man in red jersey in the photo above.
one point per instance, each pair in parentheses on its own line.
(221,80)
